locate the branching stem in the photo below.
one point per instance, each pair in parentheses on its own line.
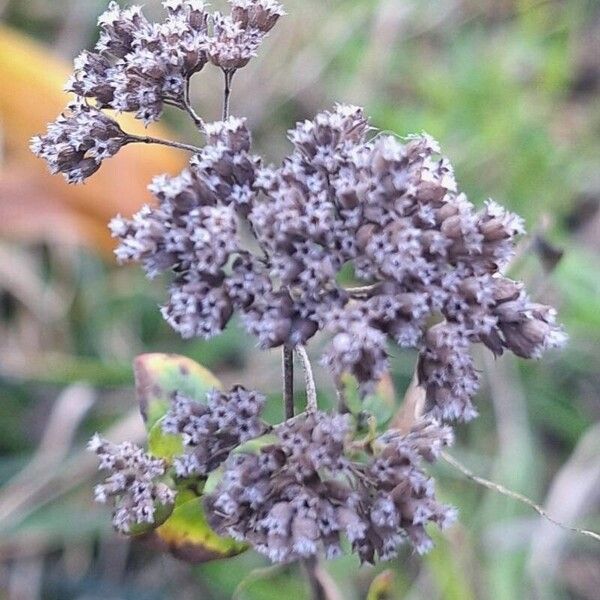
(187,105)
(311,390)
(138,139)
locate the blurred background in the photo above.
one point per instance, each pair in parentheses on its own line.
(511,89)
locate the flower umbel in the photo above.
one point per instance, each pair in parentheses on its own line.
(132,486)
(302,495)
(389,209)
(272,244)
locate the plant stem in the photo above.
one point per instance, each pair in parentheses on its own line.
(500,489)
(187,105)
(316,589)
(288,381)
(362,291)
(137,139)
(311,390)
(227,92)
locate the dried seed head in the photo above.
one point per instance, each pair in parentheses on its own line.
(389,209)
(302,495)
(78,141)
(132,486)
(210,431)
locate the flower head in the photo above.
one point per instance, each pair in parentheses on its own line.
(133,485)
(301,495)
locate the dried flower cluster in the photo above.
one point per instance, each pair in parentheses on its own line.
(140,67)
(211,431)
(389,209)
(78,141)
(304,493)
(133,486)
(272,244)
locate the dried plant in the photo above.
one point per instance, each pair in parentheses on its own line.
(269,243)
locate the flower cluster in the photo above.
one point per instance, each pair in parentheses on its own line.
(390,210)
(273,243)
(133,486)
(78,141)
(140,67)
(304,493)
(210,431)
(236,37)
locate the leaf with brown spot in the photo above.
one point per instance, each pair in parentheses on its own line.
(159,376)
(412,407)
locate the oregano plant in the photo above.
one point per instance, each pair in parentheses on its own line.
(269,243)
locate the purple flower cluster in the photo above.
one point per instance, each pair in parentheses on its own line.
(211,431)
(273,244)
(78,141)
(140,67)
(390,210)
(305,493)
(133,485)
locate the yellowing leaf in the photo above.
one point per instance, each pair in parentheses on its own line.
(164,445)
(188,536)
(382,586)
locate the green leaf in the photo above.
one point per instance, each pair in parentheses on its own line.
(164,445)
(188,536)
(381,404)
(159,376)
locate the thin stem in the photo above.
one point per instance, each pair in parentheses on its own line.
(500,489)
(227,92)
(137,139)
(362,291)
(288,381)
(187,105)
(311,390)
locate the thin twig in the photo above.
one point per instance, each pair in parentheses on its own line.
(500,489)
(187,105)
(138,139)
(227,92)
(288,381)
(311,390)
(67,414)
